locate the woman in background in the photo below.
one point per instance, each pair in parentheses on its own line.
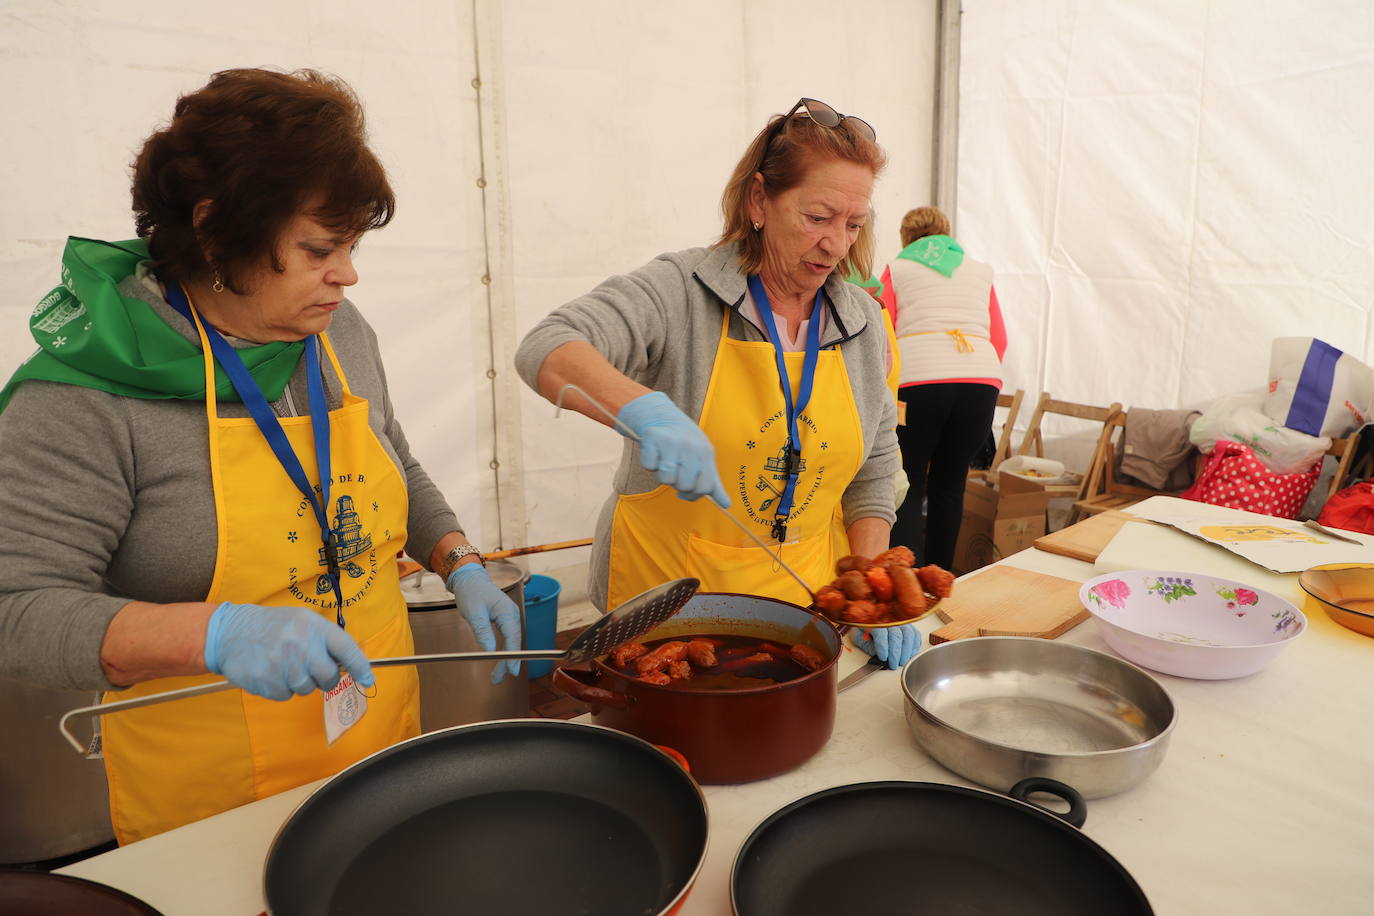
(951,339)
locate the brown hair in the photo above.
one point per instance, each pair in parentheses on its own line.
(783,164)
(923,221)
(261,146)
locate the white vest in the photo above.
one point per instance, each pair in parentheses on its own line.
(930,306)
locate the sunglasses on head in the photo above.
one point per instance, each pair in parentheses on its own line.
(825,116)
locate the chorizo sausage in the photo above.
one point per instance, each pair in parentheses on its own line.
(937,581)
(897,554)
(807,657)
(906,589)
(830,600)
(854,586)
(880,582)
(853,561)
(861,612)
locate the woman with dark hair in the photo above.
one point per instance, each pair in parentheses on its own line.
(749,373)
(196,480)
(949,329)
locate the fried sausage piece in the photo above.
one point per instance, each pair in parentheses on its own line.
(898,554)
(680,671)
(880,582)
(937,581)
(807,657)
(656,677)
(830,600)
(861,612)
(701,653)
(853,561)
(854,586)
(910,601)
(625,653)
(661,657)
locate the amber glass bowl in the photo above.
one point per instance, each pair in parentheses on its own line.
(1345,591)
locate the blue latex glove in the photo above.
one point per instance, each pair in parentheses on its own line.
(483,604)
(671,444)
(894,645)
(275,652)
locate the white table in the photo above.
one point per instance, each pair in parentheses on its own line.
(1264,803)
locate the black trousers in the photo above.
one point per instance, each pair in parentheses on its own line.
(946,424)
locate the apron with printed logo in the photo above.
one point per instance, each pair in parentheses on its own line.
(177,762)
(655,536)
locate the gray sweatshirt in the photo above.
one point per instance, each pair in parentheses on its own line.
(660,325)
(104,499)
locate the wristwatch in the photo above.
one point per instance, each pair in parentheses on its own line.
(450,560)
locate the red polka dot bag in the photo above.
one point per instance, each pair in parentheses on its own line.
(1235,477)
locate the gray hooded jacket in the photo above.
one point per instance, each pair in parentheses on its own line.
(660,325)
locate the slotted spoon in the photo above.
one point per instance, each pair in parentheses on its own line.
(631,620)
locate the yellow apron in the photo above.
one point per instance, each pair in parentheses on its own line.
(656,536)
(173,763)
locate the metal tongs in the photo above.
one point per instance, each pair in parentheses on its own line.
(631,620)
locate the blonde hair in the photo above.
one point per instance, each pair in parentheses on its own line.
(783,159)
(923,221)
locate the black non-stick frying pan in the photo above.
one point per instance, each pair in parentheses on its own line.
(917,847)
(517,817)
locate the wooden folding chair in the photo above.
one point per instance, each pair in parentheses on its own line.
(1102,491)
(1034,441)
(1343,450)
(1012,404)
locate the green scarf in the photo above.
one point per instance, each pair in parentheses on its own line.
(857,279)
(938,252)
(90,336)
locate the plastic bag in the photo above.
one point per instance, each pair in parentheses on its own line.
(1235,477)
(1237,418)
(1316,389)
(1351,508)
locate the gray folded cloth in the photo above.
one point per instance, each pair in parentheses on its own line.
(1154,449)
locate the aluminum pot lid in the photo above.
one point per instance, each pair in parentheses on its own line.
(424,589)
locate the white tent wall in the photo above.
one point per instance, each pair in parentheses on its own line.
(1163,187)
(602,131)
(624,121)
(87,82)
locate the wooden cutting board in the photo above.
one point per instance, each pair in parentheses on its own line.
(1006,601)
(1086,539)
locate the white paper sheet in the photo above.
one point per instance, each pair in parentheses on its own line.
(1277,544)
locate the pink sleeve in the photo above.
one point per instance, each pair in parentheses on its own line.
(889,296)
(997,331)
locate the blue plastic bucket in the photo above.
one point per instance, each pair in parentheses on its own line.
(541,619)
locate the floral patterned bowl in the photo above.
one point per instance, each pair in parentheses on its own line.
(1189,624)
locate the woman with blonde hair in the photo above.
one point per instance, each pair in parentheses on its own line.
(748,373)
(951,339)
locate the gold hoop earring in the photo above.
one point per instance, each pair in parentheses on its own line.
(218,284)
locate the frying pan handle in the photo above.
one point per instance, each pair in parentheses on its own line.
(572,683)
(1077,815)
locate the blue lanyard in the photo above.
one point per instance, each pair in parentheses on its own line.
(813,349)
(267,422)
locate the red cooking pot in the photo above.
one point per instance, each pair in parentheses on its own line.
(733,735)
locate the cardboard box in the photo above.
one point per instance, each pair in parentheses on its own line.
(999,521)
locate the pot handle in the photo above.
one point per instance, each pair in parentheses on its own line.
(677,757)
(571,682)
(1077,815)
